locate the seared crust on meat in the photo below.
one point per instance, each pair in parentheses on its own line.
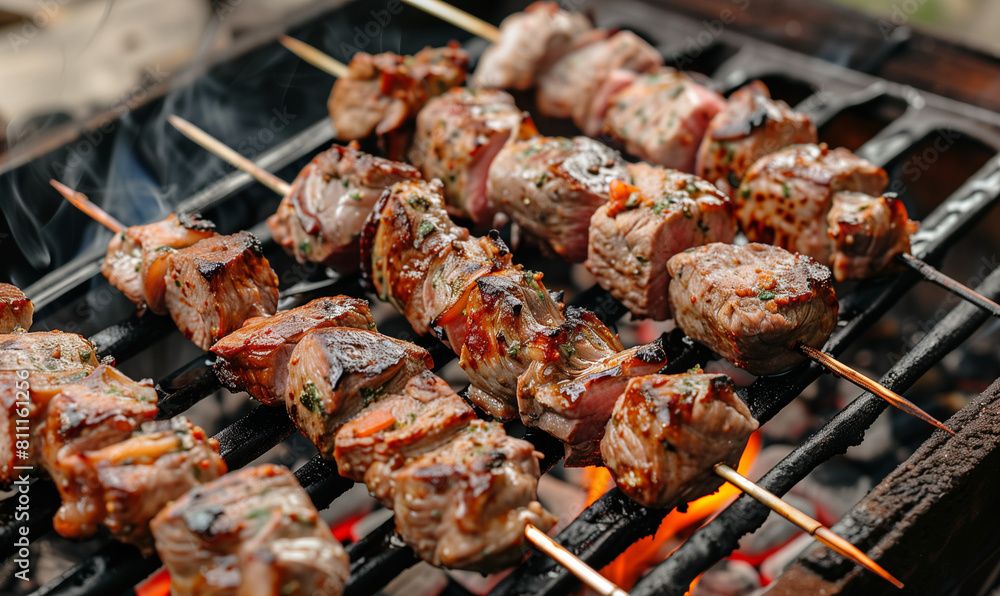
(752,304)
(750,126)
(466,505)
(15,309)
(254,358)
(551,186)
(253,531)
(868,233)
(668,431)
(214,286)
(635,234)
(785,196)
(320,220)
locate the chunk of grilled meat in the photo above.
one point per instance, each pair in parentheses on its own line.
(634,235)
(668,431)
(457,137)
(45,351)
(530,41)
(321,218)
(335,372)
(254,358)
(572,87)
(750,126)
(751,304)
(868,233)
(785,197)
(214,286)
(398,428)
(15,309)
(660,116)
(252,531)
(466,505)
(551,186)
(137,259)
(571,385)
(381,94)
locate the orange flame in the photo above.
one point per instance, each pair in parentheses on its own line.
(630,565)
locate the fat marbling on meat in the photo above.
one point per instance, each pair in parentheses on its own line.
(320,220)
(644,224)
(750,126)
(530,41)
(254,358)
(551,186)
(752,304)
(16,309)
(667,433)
(252,531)
(214,286)
(868,233)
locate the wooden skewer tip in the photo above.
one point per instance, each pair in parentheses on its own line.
(459,18)
(314,56)
(587,574)
(81,202)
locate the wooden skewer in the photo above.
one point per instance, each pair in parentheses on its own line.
(81,202)
(459,18)
(218,148)
(961,290)
(594,580)
(315,57)
(800,519)
(842,370)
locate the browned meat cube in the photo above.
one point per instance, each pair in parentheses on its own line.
(45,351)
(252,531)
(868,233)
(570,388)
(217,284)
(398,428)
(752,304)
(15,309)
(465,506)
(406,261)
(751,126)
(785,197)
(458,135)
(254,358)
(530,41)
(660,116)
(381,94)
(321,218)
(137,258)
(551,186)
(335,372)
(634,235)
(573,85)
(668,431)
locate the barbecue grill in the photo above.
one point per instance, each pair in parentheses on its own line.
(884,121)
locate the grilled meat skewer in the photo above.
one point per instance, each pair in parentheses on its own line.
(16,309)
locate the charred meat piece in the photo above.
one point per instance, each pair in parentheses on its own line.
(752,304)
(551,187)
(408,245)
(15,309)
(785,197)
(465,506)
(572,87)
(530,41)
(635,234)
(751,126)
(381,94)
(321,218)
(867,234)
(572,382)
(660,116)
(668,431)
(252,531)
(217,284)
(137,258)
(398,428)
(254,358)
(335,372)
(458,135)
